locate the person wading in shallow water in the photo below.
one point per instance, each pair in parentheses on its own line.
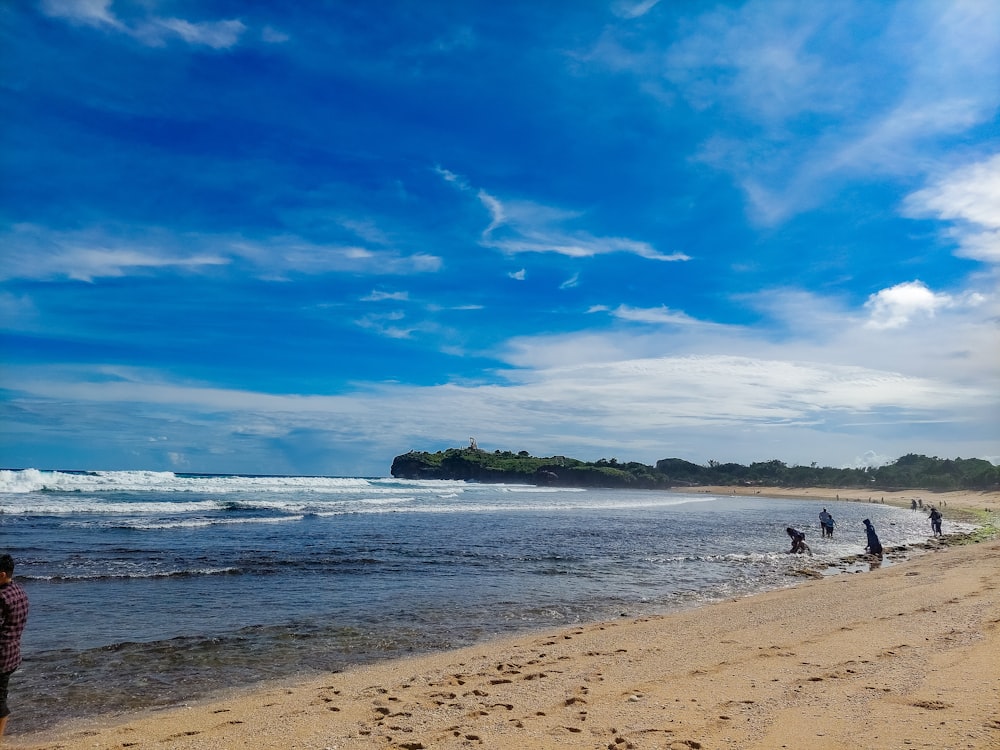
(826,523)
(935,516)
(13,616)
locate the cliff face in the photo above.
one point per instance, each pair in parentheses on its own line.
(472,464)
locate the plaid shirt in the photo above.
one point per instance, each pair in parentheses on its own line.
(13,616)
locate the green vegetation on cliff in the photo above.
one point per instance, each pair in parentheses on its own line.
(478,465)
(521,468)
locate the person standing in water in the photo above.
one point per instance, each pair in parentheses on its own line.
(13,616)
(826,523)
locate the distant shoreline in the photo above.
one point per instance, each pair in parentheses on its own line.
(966,505)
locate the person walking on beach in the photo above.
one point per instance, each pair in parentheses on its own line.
(826,523)
(874,545)
(13,616)
(935,516)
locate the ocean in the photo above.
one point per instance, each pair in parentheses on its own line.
(152,588)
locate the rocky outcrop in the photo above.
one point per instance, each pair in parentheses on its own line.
(472,464)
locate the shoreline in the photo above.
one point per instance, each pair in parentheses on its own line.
(959,504)
(752,672)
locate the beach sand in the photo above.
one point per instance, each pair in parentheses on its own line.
(903,656)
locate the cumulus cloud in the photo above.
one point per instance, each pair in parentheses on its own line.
(897,306)
(970,197)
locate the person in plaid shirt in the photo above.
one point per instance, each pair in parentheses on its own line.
(13,616)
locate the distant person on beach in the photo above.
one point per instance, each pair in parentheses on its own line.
(13,616)
(913,504)
(874,545)
(799,545)
(935,517)
(826,523)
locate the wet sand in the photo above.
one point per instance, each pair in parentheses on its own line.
(905,656)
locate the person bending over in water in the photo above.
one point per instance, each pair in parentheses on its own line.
(799,545)
(874,545)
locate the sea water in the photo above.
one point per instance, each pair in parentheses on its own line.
(154,588)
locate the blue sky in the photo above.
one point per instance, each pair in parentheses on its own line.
(306,237)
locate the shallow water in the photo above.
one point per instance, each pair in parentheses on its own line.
(150,588)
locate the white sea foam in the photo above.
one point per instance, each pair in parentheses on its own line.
(34,480)
(198,523)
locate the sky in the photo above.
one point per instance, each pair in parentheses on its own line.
(303,238)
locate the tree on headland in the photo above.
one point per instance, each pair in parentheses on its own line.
(909,471)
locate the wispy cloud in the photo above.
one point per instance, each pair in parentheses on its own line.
(214,34)
(35,252)
(154,30)
(778,70)
(970,197)
(526,227)
(572,282)
(90,12)
(655,315)
(377,295)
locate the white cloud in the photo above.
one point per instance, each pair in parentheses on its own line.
(970,197)
(495,208)
(90,12)
(518,275)
(526,227)
(633,9)
(153,31)
(796,117)
(273,36)
(449,176)
(380,296)
(214,34)
(638,405)
(34,252)
(901,304)
(571,282)
(657,315)
(871,460)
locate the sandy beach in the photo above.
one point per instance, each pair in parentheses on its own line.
(902,656)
